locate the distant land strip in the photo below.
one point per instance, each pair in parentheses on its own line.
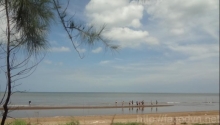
(77,107)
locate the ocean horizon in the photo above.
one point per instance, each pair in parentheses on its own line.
(180,101)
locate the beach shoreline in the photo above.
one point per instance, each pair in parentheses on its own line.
(79,107)
(167,118)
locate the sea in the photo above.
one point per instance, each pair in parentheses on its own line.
(180,102)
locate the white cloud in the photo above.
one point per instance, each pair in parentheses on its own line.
(114,13)
(120,17)
(3,25)
(59,64)
(47,62)
(190,29)
(54,63)
(130,38)
(105,62)
(60,49)
(53,42)
(81,50)
(185,16)
(177,72)
(97,50)
(177,31)
(143,74)
(197,52)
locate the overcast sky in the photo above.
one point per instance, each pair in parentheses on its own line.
(165,46)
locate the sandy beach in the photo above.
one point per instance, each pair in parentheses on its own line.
(169,118)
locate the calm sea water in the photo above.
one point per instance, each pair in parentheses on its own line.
(181,102)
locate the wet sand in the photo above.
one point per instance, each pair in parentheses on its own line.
(170,118)
(77,107)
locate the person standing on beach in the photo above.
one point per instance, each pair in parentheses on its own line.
(116,102)
(156,102)
(174,121)
(132,102)
(29,102)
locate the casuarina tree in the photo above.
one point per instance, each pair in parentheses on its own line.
(23,39)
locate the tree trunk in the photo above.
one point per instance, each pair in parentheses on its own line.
(5,106)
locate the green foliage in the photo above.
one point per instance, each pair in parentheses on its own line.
(184,123)
(31,19)
(18,122)
(86,34)
(73,122)
(27,26)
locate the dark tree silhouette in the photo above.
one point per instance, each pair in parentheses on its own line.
(25,37)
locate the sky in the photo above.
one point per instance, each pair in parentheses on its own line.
(166,46)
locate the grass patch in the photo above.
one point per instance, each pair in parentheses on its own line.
(73,122)
(23,122)
(18,122)
(184,123)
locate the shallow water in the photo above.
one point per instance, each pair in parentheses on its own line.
(181,102)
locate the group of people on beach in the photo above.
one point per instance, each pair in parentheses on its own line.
(138,103)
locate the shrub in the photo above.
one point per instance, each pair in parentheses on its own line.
(73,122)
(18,122)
